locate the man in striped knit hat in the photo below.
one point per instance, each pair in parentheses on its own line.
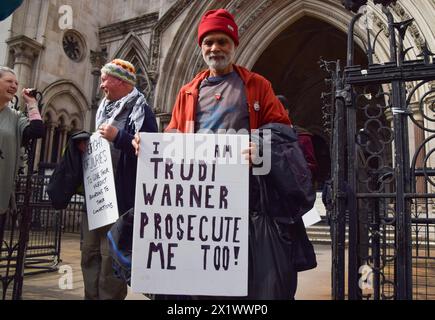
(122,113)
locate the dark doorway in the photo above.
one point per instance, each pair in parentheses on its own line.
(291,64)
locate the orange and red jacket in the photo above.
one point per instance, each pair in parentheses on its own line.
(263,105)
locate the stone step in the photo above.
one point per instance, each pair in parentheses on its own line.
(320,234)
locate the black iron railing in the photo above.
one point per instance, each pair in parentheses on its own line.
(381,192)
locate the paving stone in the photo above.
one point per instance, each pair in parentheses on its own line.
(312,285)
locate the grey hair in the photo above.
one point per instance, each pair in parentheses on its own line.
(3,70)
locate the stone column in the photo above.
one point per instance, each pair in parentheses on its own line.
(49,141)
(430,102)
(65,131)
(98,59)
(389,123)
(62,141)
(430,107)
(24,52)
(418,140)
(37,155)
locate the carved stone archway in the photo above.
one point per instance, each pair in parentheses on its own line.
(70,88)
(260,22)
(133,49)
(65,111)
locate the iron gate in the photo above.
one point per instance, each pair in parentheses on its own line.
(46,226)
(382,204)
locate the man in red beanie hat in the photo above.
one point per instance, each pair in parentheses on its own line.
(226,98)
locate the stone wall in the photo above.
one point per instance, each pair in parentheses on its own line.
(5,26)
(161,36)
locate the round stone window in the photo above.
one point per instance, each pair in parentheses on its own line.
(73,45)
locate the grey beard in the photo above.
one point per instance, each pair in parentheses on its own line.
(221,63)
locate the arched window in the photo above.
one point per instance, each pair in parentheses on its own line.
(143,83)
(64,113)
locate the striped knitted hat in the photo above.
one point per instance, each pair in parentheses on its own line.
(120,69)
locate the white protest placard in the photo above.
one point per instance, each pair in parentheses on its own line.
(191,215)
(101,203)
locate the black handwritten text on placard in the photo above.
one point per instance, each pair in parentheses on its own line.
(217,236)
(97,157)
(222,230)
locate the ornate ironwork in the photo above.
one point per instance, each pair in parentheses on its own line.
(381,193)
(14,244)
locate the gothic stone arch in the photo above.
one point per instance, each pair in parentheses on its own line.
(65,110)
(133,49)
(260,22)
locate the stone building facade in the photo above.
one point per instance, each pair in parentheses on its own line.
(59,46)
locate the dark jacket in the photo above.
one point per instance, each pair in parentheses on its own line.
(125,176)
(67,177)
(288,187)
(278,243)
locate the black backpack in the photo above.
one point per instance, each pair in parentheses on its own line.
(67,177)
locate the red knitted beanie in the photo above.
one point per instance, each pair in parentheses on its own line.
(218,20)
